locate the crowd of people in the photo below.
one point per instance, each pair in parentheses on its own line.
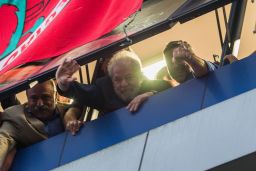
(124,85)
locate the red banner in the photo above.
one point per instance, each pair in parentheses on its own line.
(18,75)
(40,29)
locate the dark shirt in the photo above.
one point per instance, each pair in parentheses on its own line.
(101,94)
(53,125)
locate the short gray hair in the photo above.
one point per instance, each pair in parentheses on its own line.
(124,57)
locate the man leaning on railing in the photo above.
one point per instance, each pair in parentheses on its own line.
(38,119)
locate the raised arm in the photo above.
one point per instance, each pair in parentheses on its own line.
(185,54)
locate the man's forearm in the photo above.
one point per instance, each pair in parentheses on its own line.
(6,144)
(63,87)
(73,113)
(198,66)
(67,93)
(8,160)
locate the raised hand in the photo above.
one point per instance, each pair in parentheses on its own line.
(65,72)
(182,53)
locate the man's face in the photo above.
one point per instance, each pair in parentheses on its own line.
(41,100)
(126,82)
(179,71)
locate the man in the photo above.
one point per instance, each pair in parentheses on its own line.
(125,84)
(39,119)
(183,64)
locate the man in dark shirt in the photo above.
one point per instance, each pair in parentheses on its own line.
(125,84)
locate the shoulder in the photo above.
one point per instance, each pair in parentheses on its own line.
(13,112)
(104,84)
(15,109)
(103,80)
(211,66)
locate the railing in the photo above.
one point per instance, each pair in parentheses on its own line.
(165,107)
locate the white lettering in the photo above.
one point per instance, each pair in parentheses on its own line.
(18,51)
(11,57)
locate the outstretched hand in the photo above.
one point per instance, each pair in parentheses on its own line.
(65,72)
(134,105)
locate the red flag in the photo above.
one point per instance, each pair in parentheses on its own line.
(40,29)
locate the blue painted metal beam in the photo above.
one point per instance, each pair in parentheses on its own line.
(230,81)
(121,125)
(41,156)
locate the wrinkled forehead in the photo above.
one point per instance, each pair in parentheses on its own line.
(41,89)
(122,69)
(126,72)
